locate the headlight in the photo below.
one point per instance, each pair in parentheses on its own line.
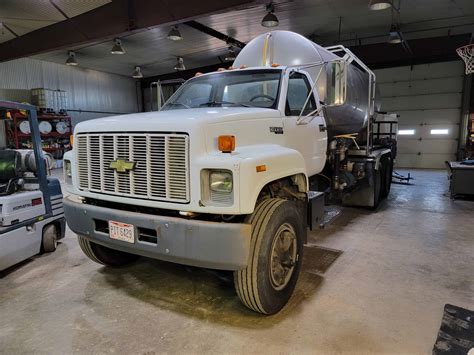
(67,169)
(220,181)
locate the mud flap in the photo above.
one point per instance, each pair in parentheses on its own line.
(364,195)
(315,209)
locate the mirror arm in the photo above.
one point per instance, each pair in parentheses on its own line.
(311,115)
(309,96)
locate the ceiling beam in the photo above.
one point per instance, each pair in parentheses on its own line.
(425,50)
(56,6)
(5,26)
(114,19)
(214,33)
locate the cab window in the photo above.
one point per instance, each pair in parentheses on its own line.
(298,89)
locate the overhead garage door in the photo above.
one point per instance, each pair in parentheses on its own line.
(428,99)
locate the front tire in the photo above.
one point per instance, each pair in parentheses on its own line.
(276,253)
(104,255)
(49,239)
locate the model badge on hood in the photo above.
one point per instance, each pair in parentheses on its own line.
(276,130)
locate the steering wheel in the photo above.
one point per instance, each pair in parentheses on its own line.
(264,96)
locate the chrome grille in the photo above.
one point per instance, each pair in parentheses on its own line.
(161,165)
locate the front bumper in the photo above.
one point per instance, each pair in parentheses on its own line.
(213,245)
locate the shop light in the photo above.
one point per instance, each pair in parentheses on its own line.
(179,64)
(71,59)
(270,19)
(379,4)
(137,73)
(117,48)
(174,34)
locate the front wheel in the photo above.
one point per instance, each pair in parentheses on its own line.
(104,255)
(50,238)
(276,253)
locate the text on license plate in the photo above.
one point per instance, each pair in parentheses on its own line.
(122,231)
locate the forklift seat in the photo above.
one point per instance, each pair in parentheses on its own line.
(10,170)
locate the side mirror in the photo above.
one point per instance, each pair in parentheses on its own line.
(336,83)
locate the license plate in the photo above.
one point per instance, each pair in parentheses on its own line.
(122,231)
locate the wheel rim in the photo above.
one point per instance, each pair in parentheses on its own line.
(283,256)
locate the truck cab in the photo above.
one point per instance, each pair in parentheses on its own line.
(220,176)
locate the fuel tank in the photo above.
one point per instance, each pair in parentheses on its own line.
(289,48)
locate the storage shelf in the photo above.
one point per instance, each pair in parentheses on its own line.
(51,134)
(17,139)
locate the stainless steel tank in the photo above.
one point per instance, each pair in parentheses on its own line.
(289,48)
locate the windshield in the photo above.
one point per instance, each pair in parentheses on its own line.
(249,88)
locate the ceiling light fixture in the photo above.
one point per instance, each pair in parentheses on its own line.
(71,59)
(270,19)
(395,36)
(230,57)
(117,48)
(179,64)
(137,73)
(379,4)
(174,34)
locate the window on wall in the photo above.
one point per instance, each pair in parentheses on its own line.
(406,132)
(441,131)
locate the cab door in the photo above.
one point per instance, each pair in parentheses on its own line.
(308,136)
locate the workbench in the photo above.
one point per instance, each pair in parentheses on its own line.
(461,178)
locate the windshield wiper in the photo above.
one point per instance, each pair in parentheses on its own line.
(212,103)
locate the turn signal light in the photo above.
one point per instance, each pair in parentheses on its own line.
(226,144)
(261,168)
(71,140)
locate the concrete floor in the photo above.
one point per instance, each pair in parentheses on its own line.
(384,294)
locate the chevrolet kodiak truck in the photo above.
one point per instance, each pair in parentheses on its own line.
(234,169)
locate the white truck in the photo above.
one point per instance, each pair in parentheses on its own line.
(234,168)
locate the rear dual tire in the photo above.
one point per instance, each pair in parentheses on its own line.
(383,180)
(386,171)
(105,256)
(377,188)
(276,253)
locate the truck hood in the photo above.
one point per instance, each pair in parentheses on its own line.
(186,120)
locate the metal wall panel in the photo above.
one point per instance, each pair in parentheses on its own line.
(88,90)
(422,87)
(422,102)
(426,97)
(420,117)
(420,72)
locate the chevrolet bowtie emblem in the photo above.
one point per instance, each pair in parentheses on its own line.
(122,166)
